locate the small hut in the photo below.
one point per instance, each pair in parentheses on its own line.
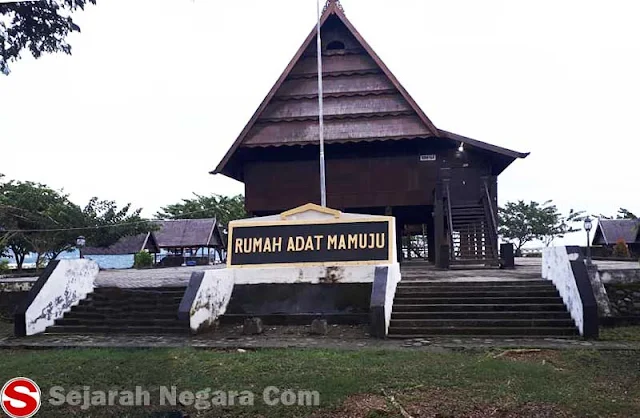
(190,241)
(610,231)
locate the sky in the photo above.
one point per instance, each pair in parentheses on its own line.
(156,91)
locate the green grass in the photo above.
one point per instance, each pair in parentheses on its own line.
(627,333)
(581,382)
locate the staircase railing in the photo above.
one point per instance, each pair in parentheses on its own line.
(492,218)
(449,219)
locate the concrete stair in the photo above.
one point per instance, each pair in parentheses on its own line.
(512,308)
(119,310)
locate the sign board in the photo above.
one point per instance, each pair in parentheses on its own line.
(428,157)
(338,239)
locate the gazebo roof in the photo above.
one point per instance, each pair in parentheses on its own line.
(189,233)
(127,245)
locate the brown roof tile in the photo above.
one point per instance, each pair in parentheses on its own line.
(126,245)
(188,233)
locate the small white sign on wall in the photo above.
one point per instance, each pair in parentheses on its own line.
(428,157)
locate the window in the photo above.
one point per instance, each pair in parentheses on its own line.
(335,46)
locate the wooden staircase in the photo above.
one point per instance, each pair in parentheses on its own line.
(471,238)
(473,235)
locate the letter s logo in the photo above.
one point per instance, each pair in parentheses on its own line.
(20,398)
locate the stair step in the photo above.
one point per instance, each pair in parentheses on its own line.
(83,329)
(480,300)
(468,323)
(412,332)
(432,293)
(119,314)
(474,284)
(142,304)
(417,287)
(480,336)
(122,322)
(136,298)
(107,310)
(141,289)
(482,307)
(482,315)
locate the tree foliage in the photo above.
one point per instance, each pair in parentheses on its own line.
(36,26)
(622,214)
(224,208)
(621,249)
(102,215)
(523,222)
(37,219)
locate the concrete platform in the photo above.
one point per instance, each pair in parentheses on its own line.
(526,269)
(162,277)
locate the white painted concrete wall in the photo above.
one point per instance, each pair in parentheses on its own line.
(556,266)
(335,274)
(393,278)
(69,283)
(211,300)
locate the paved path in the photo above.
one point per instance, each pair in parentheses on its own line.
(304,340)
(527,268)
(130,278)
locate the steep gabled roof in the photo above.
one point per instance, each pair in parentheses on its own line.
(186,233)
(609,231)
(127,245)
(364,101)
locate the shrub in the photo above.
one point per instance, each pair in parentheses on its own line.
(142,260)
(4,266)
(621,249)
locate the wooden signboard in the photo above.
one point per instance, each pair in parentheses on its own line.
(334,240)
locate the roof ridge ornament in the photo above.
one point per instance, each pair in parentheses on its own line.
(330,2)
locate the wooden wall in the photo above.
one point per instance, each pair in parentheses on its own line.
(378,179)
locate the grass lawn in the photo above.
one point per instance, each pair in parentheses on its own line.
(627,333)
(350,383)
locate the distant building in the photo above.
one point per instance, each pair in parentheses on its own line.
(190,240)
(610,231)
(176,242)
(121,254)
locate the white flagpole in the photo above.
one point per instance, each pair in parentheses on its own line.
(323,185)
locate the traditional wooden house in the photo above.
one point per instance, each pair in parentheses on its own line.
(383,154)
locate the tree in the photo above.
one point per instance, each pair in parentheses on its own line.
(524,222)
(517,222)
(37,26)
(224,208)
(25,207)
(36,218)
(622,214)
(553,225)
(109,223)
